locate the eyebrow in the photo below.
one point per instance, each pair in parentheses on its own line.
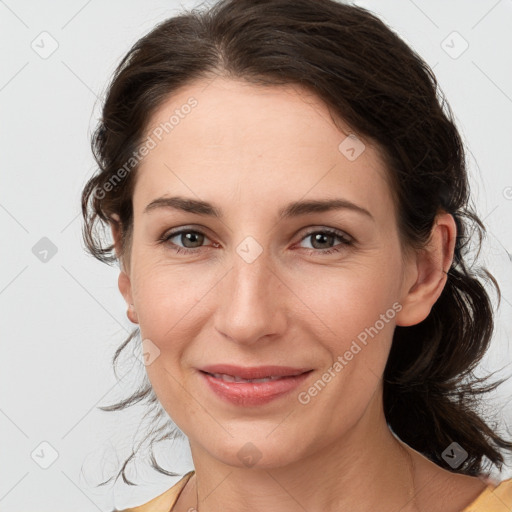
(294,209)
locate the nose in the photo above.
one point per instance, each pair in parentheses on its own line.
(252,302)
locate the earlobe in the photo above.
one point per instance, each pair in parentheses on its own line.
(132,314)
(431,267)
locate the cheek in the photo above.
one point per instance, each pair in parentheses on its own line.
(349,303)
(161,289)
(171,302)
(350,319)
(163,298)
(171,306)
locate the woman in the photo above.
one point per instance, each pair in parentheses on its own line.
(288,202)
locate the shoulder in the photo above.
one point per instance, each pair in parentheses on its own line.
(494,498)
(165,501)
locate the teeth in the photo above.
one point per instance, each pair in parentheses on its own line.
(230,378)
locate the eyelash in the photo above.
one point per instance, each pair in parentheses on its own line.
(345,241)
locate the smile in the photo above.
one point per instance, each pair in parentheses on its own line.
(246,392)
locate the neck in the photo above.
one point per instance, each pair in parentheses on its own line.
(366,469)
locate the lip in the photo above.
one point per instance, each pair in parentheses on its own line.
(253,393)
(254,372)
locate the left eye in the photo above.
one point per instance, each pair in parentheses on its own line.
(326,236)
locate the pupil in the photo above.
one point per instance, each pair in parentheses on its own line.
(321,238)
(191,237)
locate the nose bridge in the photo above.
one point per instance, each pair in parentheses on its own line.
(248,299)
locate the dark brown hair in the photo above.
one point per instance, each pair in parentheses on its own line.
(375,83)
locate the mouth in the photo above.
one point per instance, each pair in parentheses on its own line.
(231,373)
(231,378)
(253,386)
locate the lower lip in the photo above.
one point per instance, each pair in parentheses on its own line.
(253,393)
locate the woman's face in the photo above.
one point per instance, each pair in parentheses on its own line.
(252,287)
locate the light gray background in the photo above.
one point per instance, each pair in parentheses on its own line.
(62,319)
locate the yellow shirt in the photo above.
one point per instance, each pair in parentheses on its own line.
(494,498)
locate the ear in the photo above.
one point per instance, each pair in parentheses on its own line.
(427,272)
(123,282)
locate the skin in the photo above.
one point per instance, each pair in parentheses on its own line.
(250,151)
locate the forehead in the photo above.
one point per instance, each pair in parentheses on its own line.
(224,139)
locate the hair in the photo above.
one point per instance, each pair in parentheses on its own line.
(371,79)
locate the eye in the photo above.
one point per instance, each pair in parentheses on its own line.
(192,240)
(322,239)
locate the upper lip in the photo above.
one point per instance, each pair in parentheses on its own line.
(254,372)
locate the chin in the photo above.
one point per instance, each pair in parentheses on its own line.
(260,453)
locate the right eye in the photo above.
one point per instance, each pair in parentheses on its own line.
(191,240)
